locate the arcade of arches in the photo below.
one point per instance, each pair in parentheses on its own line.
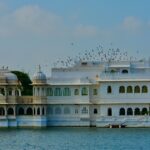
(22,110)
(9,91)
(130,111)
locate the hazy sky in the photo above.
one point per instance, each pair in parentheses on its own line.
(36,32)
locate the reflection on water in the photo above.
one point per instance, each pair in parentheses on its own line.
(75,139)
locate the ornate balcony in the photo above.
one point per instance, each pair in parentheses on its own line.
(24,99)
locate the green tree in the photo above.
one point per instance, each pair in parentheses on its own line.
(25,81)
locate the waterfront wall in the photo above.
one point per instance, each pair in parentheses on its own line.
(136,121)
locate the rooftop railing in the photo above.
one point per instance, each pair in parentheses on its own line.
(118,75)
(67,80)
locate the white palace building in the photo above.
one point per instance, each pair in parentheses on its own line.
(101,94)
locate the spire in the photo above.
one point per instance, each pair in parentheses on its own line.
(39,68)
(39,76)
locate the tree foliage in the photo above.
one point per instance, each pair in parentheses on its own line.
(25,81)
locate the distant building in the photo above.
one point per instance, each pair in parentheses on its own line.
(100,94)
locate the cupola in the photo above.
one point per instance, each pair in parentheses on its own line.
(39,77)
(7,77)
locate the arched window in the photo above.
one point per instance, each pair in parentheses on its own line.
(49,92)
(144,111)
(9,92)
(84,91)
(38,111)
(113,71)
(137,89)
(137,111)
(16,93)
(144,89)
(95,111)
(66,92)
(84,110)
(109,112)
(20,111)
(122,112)
(95,91)
(129,89)
(109,90)
(76,111)
(43,93)
(50,110)
(124,71)
(76,92)
(2,91)
(57,110)
(58,92)
(121,89)
(2,111)
(43,111)
(66,110)
(10,111)
(29,111)
(129,111)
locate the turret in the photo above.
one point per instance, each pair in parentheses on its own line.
(39,83)
(39,77)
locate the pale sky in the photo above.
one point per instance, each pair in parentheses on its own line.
(36,32)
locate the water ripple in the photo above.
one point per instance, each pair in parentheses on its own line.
(75,138)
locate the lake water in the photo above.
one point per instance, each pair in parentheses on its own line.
(75,139)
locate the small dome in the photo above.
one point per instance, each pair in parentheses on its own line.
(11,77)
(7,77)
(39,76)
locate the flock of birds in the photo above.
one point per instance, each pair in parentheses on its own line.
(97,55)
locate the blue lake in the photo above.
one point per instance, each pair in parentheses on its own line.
(75,139)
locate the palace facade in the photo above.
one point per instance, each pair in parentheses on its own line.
(101,94)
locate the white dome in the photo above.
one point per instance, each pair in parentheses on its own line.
(7,77)
(11,77)
(39,76)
